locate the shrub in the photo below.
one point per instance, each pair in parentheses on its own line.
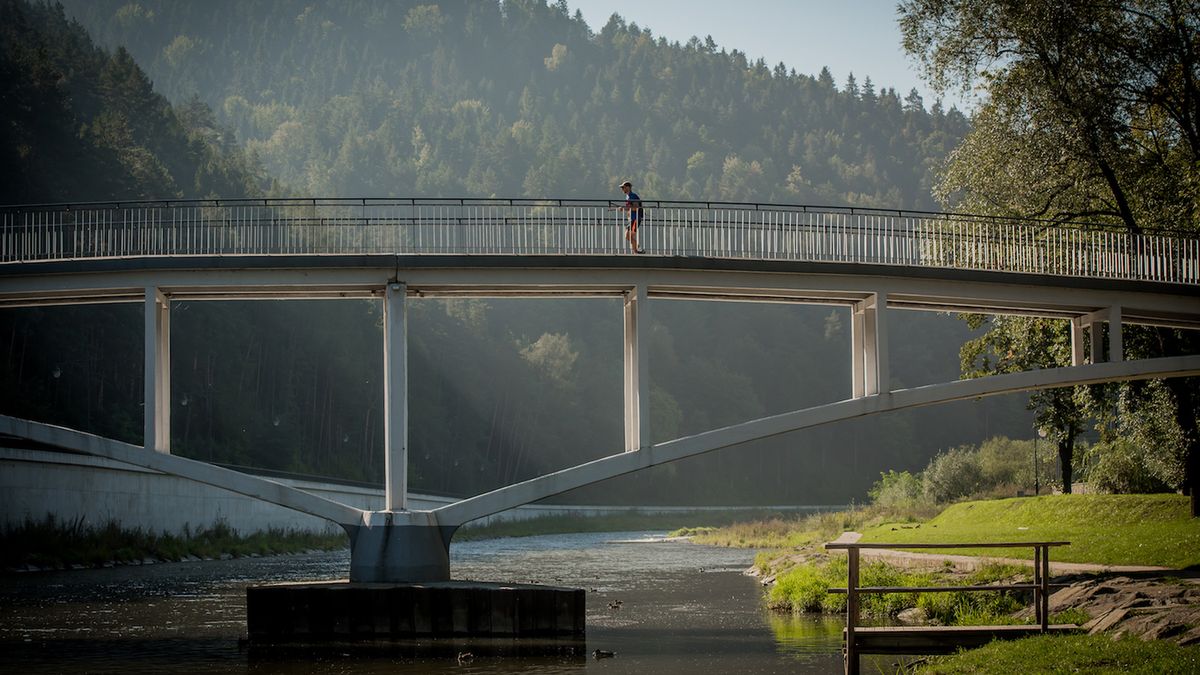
(897,490)
(953,474)
(1121,467)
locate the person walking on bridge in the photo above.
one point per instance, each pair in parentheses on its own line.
(633,205)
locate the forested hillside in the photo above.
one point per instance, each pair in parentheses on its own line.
(84,124)
(372,98)
(479,98)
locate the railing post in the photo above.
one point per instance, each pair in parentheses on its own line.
(1045,587)
(395,396)
(851,652)
(1037,583)
(156,413)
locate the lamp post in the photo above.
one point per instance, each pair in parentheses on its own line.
(1041,433)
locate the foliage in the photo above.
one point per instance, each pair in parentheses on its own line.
(85,125)
(1121,467)
(1089,111)
(1014,344)
(998,467)
(1061,654)
(519,98)
(1101,529)
(897,490)
(52,543)
(952,474)
(805,588)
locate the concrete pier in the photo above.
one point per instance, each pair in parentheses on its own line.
(336,611)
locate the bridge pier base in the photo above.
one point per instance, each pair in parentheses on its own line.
(387,552)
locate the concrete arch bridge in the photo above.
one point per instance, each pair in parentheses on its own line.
(871,262)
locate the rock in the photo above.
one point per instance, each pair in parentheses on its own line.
(1164,630)
(1192,637)
(1105,621)
(913,616)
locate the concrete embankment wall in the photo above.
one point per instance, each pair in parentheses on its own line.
(34,483)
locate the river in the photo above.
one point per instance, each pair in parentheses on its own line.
(682,608)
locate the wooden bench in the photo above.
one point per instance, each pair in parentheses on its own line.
(939,639)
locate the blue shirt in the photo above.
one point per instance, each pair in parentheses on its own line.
(635,208)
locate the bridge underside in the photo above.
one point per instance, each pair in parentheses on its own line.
(400,544)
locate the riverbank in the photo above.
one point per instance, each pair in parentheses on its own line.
(55,545)
(1155,533)
(626,522)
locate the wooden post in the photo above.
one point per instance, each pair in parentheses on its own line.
(1037,583)
(851,610)
(1045,587)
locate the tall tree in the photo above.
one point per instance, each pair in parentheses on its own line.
(1091,111)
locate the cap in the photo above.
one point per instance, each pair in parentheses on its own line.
(626,183)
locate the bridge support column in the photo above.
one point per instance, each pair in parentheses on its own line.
(1094,324)
(156,411)
(383,550)
(395,396)
(637,378)
(870,368)
(1077,328)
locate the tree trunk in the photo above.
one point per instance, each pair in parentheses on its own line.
(1066,450)
(1183,391)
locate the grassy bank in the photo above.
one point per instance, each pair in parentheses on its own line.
(1093,654)
(1105,529)
(627,522)
(798,531)
(54,544)
(1102,529)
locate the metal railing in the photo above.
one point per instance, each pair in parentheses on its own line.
(588,227)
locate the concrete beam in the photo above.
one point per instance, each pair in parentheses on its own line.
(156,408)
(1077,342)
(637,372)
(620,464)
(858,350)
(395,396)
(234,481)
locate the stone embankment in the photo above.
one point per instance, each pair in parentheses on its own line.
(1153,608)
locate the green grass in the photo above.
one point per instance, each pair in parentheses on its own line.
(1092,654)
(1103,529)
(54,544)
(803,530)
(805,588)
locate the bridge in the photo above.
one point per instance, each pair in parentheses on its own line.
(872,262)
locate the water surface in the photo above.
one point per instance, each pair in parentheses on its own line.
(661,606)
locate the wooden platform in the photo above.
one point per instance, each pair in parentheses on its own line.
(941,639)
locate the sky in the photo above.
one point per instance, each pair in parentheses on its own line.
(848,36)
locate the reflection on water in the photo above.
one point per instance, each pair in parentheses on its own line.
(662,606)
(806,634)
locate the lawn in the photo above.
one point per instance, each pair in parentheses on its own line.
(1103,529)
(1092,654)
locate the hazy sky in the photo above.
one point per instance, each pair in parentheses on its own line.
(848,36)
